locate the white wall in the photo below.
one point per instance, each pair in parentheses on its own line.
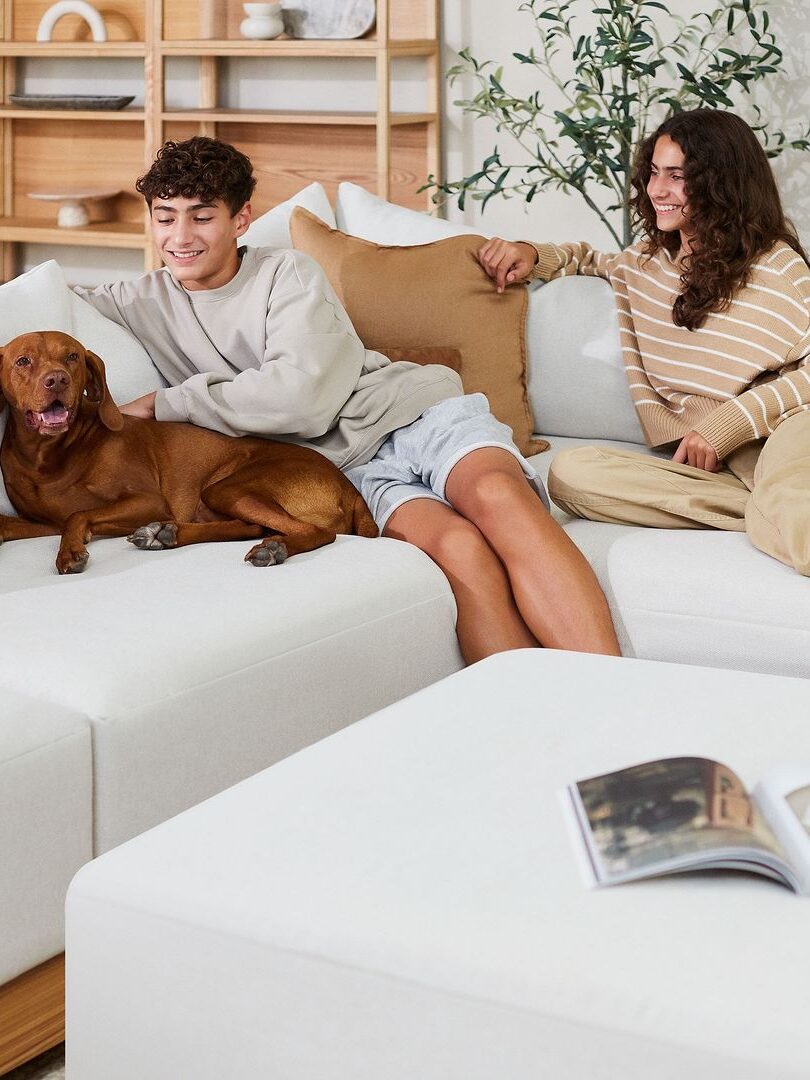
(495,30)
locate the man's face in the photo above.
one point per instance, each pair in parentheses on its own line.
(197,240)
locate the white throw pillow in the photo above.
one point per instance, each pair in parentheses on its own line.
(273,228)
(359,213)
(42,300)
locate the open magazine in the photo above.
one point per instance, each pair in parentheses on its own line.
(690,813)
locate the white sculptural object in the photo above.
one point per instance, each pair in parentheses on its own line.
(71,7)
(263,21)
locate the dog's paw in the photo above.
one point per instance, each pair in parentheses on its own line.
(155,536)
(72,562)
(267,553)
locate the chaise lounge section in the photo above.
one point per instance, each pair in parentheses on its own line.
(157,679)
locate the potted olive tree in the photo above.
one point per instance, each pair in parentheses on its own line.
(609,87)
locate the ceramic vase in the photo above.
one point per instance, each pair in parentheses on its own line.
(263,21)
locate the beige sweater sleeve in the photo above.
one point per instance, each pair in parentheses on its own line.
(565,260)
(756,412)
(312,362)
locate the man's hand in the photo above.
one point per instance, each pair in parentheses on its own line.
(507,263)
(142,407)
(695,451)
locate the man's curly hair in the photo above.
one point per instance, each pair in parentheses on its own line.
(733,206)
(200,168)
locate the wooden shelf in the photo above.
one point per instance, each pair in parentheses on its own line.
(277,116)
(84,50)
(281,47)
(20,112)
(115,234)
(390,153)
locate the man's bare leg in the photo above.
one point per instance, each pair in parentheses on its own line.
(488,619)
(556,590)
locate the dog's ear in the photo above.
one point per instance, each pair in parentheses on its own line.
(96,390)
(2,399)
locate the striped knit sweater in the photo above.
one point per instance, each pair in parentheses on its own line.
(731,380)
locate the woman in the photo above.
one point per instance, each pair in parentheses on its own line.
(714,316)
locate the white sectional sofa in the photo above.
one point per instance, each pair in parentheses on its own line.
(156,679)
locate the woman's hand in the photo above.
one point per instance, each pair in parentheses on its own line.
(695,451)
(507,263)
(142,407)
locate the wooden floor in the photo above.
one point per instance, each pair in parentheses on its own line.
(32,1013)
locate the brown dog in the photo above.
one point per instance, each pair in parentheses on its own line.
(73,464)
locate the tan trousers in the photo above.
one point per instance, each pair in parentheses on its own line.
(763,490)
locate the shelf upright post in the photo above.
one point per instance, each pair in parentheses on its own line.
(208,92)
(434,95)
(153,105)
(383,125)
(8,74)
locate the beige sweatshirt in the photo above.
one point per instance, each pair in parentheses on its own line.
(733,379)
(272,353)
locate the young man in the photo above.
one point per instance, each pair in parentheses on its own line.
(255,342)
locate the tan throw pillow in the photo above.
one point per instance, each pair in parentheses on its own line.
(431,296)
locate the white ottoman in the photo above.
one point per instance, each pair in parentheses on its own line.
(46,825)
(403,901)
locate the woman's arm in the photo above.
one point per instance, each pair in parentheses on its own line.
(780,289)
(509,263)
(756,412)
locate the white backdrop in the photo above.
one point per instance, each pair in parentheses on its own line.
(494,29)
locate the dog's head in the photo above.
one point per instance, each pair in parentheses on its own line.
(44,377)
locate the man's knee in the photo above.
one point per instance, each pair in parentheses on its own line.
(448,538)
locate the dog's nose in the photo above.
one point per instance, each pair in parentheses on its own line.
(56,381)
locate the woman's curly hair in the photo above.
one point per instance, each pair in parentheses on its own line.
(733,206)
(200,168)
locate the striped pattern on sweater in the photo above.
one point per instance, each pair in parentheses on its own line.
(733,379)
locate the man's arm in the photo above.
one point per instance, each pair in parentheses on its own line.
(142,407)
(312,363)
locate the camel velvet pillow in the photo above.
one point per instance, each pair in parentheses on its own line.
(428,296)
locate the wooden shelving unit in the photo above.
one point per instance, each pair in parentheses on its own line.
(390,153)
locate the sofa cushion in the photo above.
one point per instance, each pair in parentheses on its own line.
(711,598)
(694,596)
(272,229)
(196,670)
(431,294)
(577,380)
(362,214)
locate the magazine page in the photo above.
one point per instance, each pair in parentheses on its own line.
(671,815)
(783,796)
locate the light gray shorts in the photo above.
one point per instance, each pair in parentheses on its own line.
(415,461)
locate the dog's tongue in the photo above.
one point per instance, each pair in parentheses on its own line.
(54,415)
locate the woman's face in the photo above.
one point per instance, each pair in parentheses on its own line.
(666,187)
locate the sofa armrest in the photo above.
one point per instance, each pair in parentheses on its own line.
(577,381)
